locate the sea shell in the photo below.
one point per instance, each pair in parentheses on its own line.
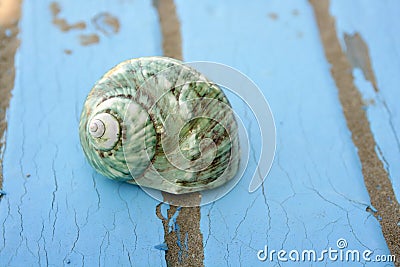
(159,123)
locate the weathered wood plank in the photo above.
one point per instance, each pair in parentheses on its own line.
(376,178)
(9,15)
(315,193)
(374,34)
(64,213)
(58,211)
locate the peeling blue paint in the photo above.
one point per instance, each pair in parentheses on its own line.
(164,210)
(174,227)
(65,213)
(378,25)
(315,192)
(163,247)
(172,224)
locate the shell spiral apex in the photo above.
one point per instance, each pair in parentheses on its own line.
(158,123)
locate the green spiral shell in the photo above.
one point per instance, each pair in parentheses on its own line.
(159,123)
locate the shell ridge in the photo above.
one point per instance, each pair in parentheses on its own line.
(147,94)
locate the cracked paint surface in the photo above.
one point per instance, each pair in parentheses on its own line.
(57,210)
(315,193)
(9,42)
(378,27)
(376,178)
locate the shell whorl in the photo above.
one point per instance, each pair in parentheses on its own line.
(159,123)
(104,130)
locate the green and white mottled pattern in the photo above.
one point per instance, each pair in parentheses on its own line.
(177,131)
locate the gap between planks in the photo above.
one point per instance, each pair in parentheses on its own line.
(188,219)
(375,176)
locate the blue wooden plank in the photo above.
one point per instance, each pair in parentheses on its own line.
(378,26)
(315,193)
(57,210)
(65,213)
